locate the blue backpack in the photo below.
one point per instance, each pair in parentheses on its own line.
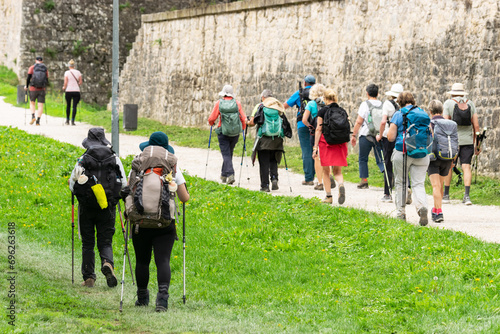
(417,136)
(273,124)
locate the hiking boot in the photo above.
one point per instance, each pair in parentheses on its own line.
(32,120)
(308,183)
(142,297)
(332,181)
(437,217)
(401,216)
(162,299)
(467,200)
(107,270)
(274,184)
(408,197)
(265,189)
(363,185)
(223,179)
(89,282)
(67,122)
(73,123)
(446,199)
(328,200)
(387,199)
(319,186)
(341,194)
(423,216)
(230,179)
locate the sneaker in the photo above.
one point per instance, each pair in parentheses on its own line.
(328,200)
(107,270)
(230,179)
(142,297)
(37,124)
(67,122)
(223,179)
(32,121)
(341,194)
(308,183)
(408,197)
(363,185)
(423,216)
(319,186)
(332,181)
(437,217)
(274,184)
(265,189)
(467,200)
(401,216)
(89,283)
(446,199)
(387,199)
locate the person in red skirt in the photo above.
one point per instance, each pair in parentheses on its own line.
(334,156)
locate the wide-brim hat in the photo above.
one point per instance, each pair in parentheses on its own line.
(95,137)
(457,89)
(227,90)
(396,89)
(157,138)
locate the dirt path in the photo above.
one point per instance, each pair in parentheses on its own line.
(482,222)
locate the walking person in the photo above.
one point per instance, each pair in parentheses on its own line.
(36,82)
(417,167)
(332,121)
(155,236)
(232,120)
(366,144)
(72,82)
(299,99)
(96,181)
(463,112)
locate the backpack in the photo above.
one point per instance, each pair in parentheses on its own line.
(314,121)
(99,165)
(39,78)
(462,113)
(396,108)
(273,124)
(445,145)
(374,118)
(150,203)
(230,118)
(336,127)
(417,136)
(304,99)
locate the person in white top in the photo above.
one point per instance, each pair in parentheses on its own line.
(72,82)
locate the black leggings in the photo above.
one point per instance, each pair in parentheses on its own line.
(75,96)
(161,242)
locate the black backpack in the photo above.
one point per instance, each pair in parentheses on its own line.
(336,127)
(39,78)
(304,99)
(99,163)
(462,113)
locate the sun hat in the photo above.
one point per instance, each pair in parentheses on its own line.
(227,90)
(396,89)
(39,58)
(457,89)
(157,138)
(310,79)
(95,137)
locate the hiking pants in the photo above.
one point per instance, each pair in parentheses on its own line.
(388,148)
(307,151)
(102,221)
(417,169)
(75,96)
(227,145)
(267,165)
(365,146)
(157,240)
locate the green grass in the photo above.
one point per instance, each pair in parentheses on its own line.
(485,192)
(255,263)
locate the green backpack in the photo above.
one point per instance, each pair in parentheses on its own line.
(273,124)
(230,118)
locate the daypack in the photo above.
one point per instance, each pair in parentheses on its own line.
(336,127)
(304,99)
(462,113)
(99,165)
(273,124)
(396,108)
(150,203)
(314,120)
(230,118)
(417,137)
(445,145)
(374,118)
(39,78)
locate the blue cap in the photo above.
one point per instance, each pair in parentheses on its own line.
(157,138)
(310,79)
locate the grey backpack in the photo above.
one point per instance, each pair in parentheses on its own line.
(445,145)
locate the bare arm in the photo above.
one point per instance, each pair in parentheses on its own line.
(317,136)
(382,127)
(393,132)
(359,122)
(65,83)
(182,193)
(305,117)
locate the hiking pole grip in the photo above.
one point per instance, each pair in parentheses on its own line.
(72,238)
(208,153)
(184,251)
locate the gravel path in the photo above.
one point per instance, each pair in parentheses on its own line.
(482,222)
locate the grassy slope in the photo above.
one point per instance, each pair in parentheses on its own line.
(256,263)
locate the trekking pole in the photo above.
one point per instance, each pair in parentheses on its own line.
(380,155)
(405,158)
(243,153)
(287,172)
(26,101)
(123,275)
(206,164)
(125,238)
(184,251)
(72,238)
(46,115)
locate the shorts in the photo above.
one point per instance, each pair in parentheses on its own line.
(441,167)
(38,95)
(465,153)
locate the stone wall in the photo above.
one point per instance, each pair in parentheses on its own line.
(180,60)
(10,26)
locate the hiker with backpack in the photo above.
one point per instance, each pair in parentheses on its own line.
(330,143)
(72,82)
(272,126)
(232,121)
(154,181)
(444,150)
(369,110)
(37,81)
(463,112)
(300,99)
(410,128)
(96,181)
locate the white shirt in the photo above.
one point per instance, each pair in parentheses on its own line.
(387,110)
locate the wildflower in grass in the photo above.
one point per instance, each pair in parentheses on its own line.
(477,279)
(175,257)
(435,278)
(265,259)
(491,281)
(419,291)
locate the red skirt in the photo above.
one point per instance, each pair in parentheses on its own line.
(332,155)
